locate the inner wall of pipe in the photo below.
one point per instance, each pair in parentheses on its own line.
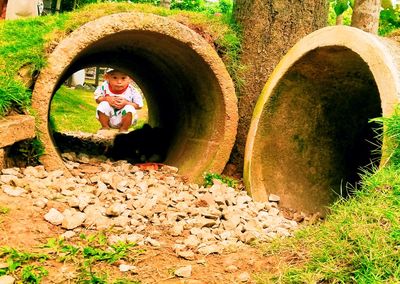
(316,131)
(182,92)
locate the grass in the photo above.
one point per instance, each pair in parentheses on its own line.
(74,110)
(91,256)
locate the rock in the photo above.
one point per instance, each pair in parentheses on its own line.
(231,268)
(72,221)
(186,254)
(11,171)
(126,267)
(209,249)
(176,230)
(184,272)
(244,277)
(274,198)
(7,279)
(68,234)
(54,216)
(41,202)
(115,209)
(12,191)
(152,242)
(191,241)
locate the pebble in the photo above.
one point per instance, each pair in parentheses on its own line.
(184,272)
(7,279)
(145,204)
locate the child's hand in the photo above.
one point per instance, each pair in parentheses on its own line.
(120,103)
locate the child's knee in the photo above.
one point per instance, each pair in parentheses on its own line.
(129,109)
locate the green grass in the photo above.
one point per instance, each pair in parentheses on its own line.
(74,110)
(85,254)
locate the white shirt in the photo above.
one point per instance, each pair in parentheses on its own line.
(130,94)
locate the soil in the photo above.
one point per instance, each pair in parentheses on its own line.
(23,227)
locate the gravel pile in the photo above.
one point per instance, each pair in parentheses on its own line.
(143,203)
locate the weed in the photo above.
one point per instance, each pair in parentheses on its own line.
(33,274)
(4,210)
(210,177)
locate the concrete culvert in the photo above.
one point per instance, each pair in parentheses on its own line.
(186,85)
(310,133)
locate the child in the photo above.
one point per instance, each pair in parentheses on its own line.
(118,101)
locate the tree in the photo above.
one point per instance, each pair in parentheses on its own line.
(366,15)
(270,29)
(340,6)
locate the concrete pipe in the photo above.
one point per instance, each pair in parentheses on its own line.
(185,83)
(310,133)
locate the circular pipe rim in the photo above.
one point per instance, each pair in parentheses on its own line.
(70,47)
(369,47)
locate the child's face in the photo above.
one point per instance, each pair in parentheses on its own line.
(117,80)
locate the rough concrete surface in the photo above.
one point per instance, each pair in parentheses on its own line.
(16,128)
(186,85)
(310,132)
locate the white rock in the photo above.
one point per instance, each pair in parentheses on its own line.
(73,221)
(209,249)
(12,191)
(115,209)
(191,241)
(274,198)
(176,230)
(244,277)
(54,216)
(41,202)
(126,267)
(184,272)
(186,254)
(7,279)
(152,242)
(231,268)
(68,234)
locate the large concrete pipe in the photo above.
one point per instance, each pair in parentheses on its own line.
(185,83)
(310,131)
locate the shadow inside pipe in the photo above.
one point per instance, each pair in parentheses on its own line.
(314,134)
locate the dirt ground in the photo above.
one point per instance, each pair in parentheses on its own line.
(23,227)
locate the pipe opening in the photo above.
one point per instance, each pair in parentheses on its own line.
(178,85)
(315,133)
(188,91)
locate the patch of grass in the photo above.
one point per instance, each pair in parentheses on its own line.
(90,255)
(74,110)
(88,252)
(4,210)
(210,177)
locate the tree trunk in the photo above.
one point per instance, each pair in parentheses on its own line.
(270,29)
(366,15)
